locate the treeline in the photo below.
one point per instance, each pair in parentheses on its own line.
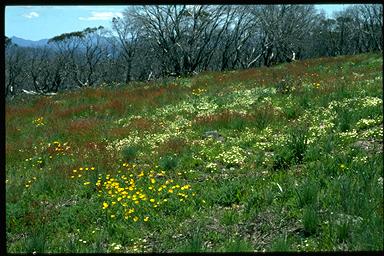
(151,42)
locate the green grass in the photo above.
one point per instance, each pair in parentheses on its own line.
(127,169)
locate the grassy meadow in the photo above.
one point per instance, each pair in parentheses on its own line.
(298,166)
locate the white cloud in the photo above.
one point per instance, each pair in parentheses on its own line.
(31,15)
(102,16)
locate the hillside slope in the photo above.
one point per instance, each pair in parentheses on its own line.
(282,158)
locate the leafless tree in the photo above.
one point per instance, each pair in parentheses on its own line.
(14,60)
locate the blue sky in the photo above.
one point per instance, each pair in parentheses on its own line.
(40,22)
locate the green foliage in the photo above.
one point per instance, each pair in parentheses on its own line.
(228,193)
(307,193)
(168,162)
(238,245)
(280,244)
(294,150)
(134,173)
(310,220)
(129,153)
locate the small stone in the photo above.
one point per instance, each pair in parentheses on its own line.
(213,134)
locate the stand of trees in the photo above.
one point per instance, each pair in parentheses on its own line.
(151,42)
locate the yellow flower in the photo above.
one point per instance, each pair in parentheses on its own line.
(152,200)
(113,216)
(87,183)
(92,168)
(170,190)
(146,219)
(153,180)
(135,218)
(105,205)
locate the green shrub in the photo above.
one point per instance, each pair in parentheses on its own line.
(228,193)
(168,162)
(293,152)
(310,220)
(280,244)
(129,153)
(238,245)
(308,193)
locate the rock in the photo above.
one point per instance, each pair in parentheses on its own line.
(213,134)
(366,145)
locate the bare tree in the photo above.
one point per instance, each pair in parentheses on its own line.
(127,33)
(88,57)
(14,60)
(283,28)
(185,36)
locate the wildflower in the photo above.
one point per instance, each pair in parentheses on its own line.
(146,219)
(152,200)
(343,167)
(92,168)
(117,247)
(135,218)
(105,205)
(113,216)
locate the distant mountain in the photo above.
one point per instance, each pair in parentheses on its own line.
(43,42)
(29,43)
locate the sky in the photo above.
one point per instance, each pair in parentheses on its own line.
(44,22)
